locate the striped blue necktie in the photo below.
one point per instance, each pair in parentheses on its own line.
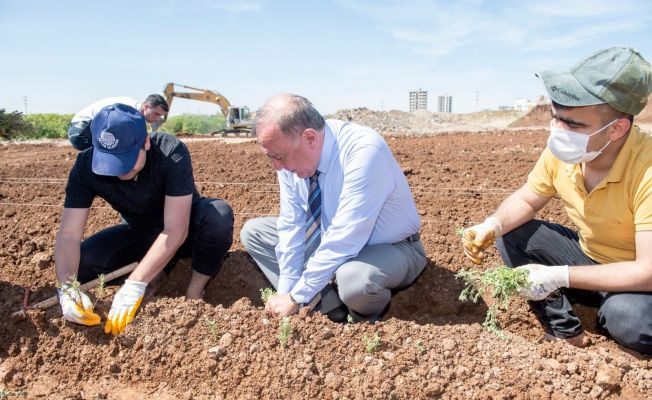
(312,237)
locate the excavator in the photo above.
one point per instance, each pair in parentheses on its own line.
(238,119)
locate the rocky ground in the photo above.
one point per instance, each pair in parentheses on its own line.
(431,345)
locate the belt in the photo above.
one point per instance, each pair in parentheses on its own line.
(413,238)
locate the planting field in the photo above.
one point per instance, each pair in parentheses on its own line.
(431,344)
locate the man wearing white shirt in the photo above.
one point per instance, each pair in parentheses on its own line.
(367,233)
(153,110)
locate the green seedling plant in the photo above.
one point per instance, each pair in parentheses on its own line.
(212,328)
(4,393)
(73,290)
(284,332)
(372,344)
(419,346)
(100,289)
(502,282)
(459,232)
(266,293)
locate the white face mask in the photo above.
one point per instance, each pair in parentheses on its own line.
(570,147)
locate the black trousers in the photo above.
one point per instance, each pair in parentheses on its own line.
(210,236)
(626,316)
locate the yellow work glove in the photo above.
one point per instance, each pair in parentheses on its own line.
(478,238)
(76,306)
(124,307)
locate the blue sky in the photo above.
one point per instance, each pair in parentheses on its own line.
(63,55)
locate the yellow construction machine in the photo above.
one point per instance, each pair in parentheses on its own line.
(239,120)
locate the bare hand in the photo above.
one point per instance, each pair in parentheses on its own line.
(281,305)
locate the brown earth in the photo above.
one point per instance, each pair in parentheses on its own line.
(432,345)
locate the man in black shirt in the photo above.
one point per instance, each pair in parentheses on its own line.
(149,181)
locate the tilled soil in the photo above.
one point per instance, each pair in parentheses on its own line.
(431,344)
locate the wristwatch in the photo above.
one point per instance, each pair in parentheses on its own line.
(292,299)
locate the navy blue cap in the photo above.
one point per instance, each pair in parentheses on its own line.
(118,132)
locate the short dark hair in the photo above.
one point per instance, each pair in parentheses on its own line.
(608,114)
(291,113)
(155,100)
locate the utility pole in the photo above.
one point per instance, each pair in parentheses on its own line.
(25,102)
(477,98)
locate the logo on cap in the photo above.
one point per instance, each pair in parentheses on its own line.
(107,140)
(555,88)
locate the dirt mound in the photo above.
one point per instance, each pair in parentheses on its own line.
(645,116)
(537,116)
(422,122)
(431,345)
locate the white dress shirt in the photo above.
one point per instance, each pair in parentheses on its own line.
(88,112)
(366,200)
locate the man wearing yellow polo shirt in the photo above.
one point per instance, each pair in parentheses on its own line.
(600,165)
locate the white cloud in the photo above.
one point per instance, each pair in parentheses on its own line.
(439,28)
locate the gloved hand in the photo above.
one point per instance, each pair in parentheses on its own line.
(544,280)
(76,306)
(124,307)
(479,237)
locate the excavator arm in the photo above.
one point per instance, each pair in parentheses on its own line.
(210,96)
(238,119)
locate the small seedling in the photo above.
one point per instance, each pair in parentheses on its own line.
(349,319)
(266,293)
(419,346)
(101,285)
(459,232)
(4,393)
(100,289)
(284,332)
(212,327)
(73,290)
(503,282)
(371,344)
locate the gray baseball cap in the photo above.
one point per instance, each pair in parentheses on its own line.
(617,76)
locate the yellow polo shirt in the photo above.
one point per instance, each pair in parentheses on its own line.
(618,207)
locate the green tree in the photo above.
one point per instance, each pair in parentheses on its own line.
(50,125)
(14,124)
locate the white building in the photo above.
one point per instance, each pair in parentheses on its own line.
(523,104)
(445,104)
(418,100)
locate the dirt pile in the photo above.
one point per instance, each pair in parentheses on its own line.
(537,116)
(645,116)
(431,344)
(422,122)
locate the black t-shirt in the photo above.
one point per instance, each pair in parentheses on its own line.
(167,172)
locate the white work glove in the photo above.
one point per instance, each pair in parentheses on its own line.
(124,307)
(478,238)
(543,280)
(76,306)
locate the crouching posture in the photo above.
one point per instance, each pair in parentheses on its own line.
(148,179)
(600,165)
(348,229)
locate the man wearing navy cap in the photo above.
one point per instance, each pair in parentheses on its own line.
(600,165)
(148,179)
